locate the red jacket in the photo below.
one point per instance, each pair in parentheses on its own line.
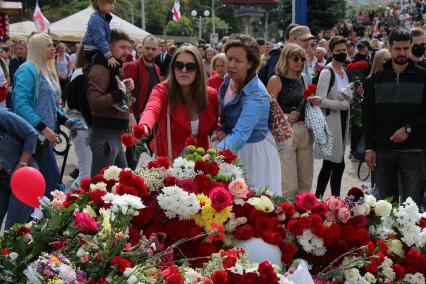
(156,112)
(215,82)
(131,70)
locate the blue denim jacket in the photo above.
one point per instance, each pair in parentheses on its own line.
(98,34)
(16,136)
(245,118)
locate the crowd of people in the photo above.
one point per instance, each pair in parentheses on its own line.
(221,95)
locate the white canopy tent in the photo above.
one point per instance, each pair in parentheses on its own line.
(21,30)
(72,28)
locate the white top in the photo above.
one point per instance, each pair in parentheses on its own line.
(62,65)
(194,127)
(341,82)
(229,95)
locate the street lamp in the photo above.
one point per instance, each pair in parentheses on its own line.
(265,33)
(200,21)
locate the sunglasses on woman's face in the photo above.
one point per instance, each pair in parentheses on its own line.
(190,67)
(297,58)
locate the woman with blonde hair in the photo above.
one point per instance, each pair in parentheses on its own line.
(36,96)
(182,105)
(209,53)
(379,59)
(287,87)
(218,71)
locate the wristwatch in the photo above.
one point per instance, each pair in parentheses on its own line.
(408,129)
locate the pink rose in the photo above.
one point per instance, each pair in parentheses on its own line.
(343,214)
(84,258)
(187,185)
(221,198)
(306,201)
(330,216)
(84,222)
(335,203)
(239,188)
(321,208)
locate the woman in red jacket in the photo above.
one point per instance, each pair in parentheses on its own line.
(192,106)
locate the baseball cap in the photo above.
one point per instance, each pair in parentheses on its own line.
(301,32)
(364,43)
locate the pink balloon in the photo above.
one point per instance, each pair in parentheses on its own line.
(28,185)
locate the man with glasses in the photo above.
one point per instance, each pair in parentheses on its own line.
(146,74)
(419,46)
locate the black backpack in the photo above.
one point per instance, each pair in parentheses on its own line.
(76,96)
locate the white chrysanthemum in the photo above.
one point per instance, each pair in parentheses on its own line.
(100,186)
(414,278)
(183,168)
(370,200)
(352,275)
(311,243)
(178,203)
(389,273)
(422,238)
(191,275)
(370,277)
(230,171)
(410,235)
(386,263)
(383,208)
(113,172)
(154,177)
(126,204)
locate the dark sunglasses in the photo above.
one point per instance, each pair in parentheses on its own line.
(297,58)
(190,67)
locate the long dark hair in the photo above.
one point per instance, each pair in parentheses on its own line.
(199,90)
(252,50)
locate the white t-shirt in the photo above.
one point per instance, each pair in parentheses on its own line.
(62,65)
(195,124)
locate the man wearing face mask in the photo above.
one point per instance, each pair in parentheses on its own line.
(419,46)
(395,122)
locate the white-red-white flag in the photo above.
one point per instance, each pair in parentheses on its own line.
(176,11)
(40,21)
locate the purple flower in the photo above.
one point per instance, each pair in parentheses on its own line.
(81,275)
(48,273)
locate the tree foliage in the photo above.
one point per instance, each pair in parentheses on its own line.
(182,28)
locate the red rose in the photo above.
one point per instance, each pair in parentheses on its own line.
(220,198)
(84,222)
(422,222)
(265,269)
(228,156)
(296,227)
(399,271)
(200,166)
(134,235)
(153,164)
(306,201)
(138,131)
(120,263)
(244,232)
(219,277)
(85,183)
(212,168)
(320,208)
(169,181)
(57,245)
(272,238)
(202,182)
(4,251)
(128,140)
(187,185)
(164,162)
(356,192)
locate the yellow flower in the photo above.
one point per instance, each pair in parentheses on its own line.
(106,224)
(209,215)
(204,200)
(89,210)
(54,259)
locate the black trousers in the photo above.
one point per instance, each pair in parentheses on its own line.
(332,172)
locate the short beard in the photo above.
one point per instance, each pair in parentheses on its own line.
(400,61)
(148,61)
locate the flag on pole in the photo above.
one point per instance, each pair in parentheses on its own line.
(40,21)
(176,11)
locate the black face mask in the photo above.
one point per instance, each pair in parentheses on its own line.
(418,50)
(340,57)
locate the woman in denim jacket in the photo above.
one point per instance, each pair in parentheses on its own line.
(244,113)
(18,141)
(36,96)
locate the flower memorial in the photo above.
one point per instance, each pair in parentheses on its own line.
(195,220)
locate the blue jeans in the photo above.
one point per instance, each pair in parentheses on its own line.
(17,212)
(49,169)
(400,174)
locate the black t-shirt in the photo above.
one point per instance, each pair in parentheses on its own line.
(291,95)
(153,80)
(422,63)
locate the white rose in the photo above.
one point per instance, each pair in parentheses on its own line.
(383,208)
(352,274)
(362,209)
(370,277)
(370,200)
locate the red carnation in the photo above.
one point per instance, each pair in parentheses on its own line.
(219,277)
(202,182)
(138,131)
(399,271)
(171,274)
(164,162)
(134,235)
(288,208)
(95,196)
(200,166)
(272,238)
(128,140)
(266,270)
(244,232)
(85,183)
(22,231)
(217,232)
(169,181)
(295,227)
(264,224)
(153,165)
(4,251)
(422,222)
(287,252)
(120,263)
(212,168)
(312,88)
(306,94)
(187,185)
(228,156)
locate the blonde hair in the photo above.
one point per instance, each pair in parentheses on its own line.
(218,57)
(36,54)
(289,50)
(378,61)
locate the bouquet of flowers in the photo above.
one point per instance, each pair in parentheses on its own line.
(309,91)
(357,71)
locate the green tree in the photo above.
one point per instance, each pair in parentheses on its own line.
(182,28)
(222,27)
(322,14)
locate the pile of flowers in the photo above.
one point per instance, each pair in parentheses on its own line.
(173,222)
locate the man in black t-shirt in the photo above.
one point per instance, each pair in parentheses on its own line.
(146,74)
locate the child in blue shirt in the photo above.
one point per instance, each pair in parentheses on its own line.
(97,38)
